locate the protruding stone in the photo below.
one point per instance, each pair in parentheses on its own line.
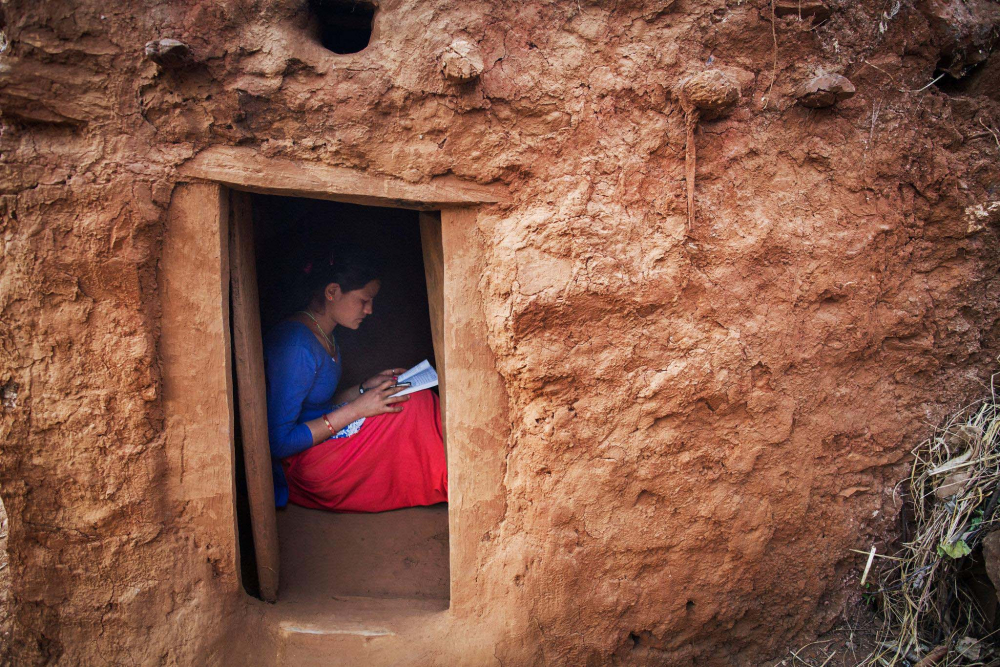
(816,10)
(991,556)
(461,62)
(963,32)
(168,52)
(824,91)
(713,93)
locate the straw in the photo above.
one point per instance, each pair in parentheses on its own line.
(954,487)
(868,565)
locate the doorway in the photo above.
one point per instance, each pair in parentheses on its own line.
(203,256)
(398,554)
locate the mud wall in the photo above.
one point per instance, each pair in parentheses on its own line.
(705,418)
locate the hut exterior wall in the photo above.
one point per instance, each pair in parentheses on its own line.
(702,420)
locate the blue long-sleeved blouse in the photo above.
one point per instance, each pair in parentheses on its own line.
(301,382)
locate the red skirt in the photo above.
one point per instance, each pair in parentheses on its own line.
(396,460)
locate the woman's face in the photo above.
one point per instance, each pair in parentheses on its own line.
(350,308)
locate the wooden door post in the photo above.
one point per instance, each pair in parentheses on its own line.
(430,241)
(249,352)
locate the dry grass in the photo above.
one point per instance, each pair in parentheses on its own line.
(954,487)
(843,646)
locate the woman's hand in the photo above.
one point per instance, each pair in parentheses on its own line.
(376,380)
(380,400)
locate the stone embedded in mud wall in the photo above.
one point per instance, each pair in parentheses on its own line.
(713,93)
(824,91)
(964,31)
(461,61)
(168,53)
(991,557)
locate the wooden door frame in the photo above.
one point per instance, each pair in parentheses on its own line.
(248,360)
(477,426)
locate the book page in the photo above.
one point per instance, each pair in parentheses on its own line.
(423,365)
(421,376)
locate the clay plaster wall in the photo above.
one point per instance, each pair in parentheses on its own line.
(702,421)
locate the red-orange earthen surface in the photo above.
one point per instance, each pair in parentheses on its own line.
(703,419)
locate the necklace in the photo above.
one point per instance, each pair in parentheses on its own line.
(329,339)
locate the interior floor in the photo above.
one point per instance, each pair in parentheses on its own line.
(398,554)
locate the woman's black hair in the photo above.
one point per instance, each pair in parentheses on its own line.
(351,267)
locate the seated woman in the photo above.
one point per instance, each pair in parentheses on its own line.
(359,449)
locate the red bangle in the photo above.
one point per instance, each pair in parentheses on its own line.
(327,422)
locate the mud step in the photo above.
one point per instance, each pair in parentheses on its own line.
(356,631)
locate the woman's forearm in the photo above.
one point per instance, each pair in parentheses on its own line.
(347,395)
(338,419)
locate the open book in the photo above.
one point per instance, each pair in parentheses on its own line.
(421,376)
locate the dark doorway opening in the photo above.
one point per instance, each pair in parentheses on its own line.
(344,26)
(290,232)
(398,554)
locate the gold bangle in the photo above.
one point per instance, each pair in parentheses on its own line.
(329,426)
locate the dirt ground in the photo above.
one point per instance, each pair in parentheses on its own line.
(704,418)
(846,645)
(399,554)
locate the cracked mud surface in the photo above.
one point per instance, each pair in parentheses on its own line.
(704,421)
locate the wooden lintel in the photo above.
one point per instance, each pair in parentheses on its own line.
(243,168)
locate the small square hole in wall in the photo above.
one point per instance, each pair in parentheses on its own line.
(344,26)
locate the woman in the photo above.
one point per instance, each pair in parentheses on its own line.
(359,449)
